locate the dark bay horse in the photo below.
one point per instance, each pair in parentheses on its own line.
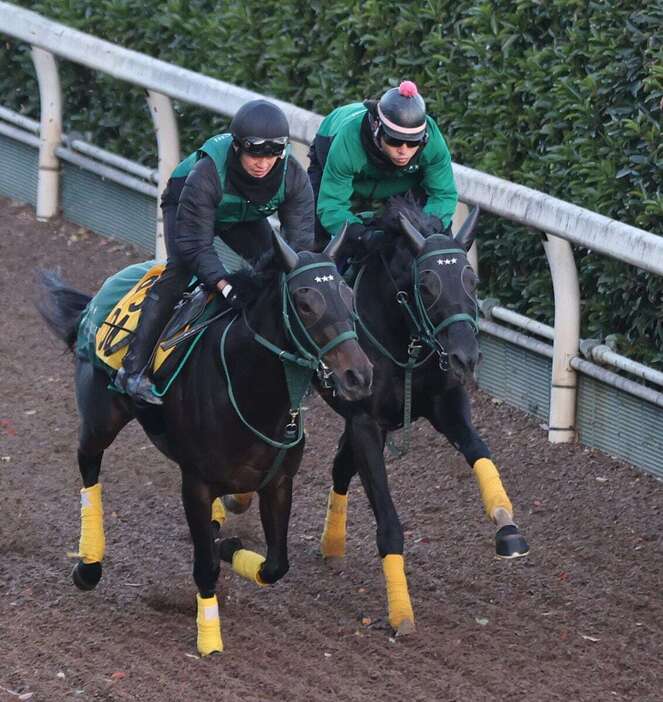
(228,420)
(417,312)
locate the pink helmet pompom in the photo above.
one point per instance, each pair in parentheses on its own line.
(408,89)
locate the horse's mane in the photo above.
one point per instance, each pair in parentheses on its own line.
(249,283)
(395,247)
(408,206)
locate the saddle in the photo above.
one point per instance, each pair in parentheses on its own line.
(188,322)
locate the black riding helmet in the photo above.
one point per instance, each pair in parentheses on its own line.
(260,128)
(402,113)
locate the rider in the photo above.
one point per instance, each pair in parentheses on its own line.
(227,188)
(367,152)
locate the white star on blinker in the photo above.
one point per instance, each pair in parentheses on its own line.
(324,278)
(446,261)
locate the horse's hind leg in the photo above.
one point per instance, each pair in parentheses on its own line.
(451,417)
(102,417)
(332,542)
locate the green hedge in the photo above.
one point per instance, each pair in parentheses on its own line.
(562,96)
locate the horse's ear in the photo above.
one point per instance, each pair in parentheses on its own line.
(336,244)
(415,238)
(467,232)
(284,254)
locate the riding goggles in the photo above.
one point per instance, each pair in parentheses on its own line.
(259,146)
(392,141)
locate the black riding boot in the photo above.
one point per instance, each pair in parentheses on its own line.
(132,377)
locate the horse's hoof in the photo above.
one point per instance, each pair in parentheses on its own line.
(235,505)
(510,543)
(405,627)
(86,576)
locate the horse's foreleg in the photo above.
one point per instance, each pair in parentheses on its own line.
(367,442)
(197,501)
(451,417)
(332,542)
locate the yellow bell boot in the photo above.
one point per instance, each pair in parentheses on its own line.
(401,616)
(247,564)
(209,626)
(218,512)
(92,544)
(332,542)
(492,491)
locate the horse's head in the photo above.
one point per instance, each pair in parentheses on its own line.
(435,272)
(323,319)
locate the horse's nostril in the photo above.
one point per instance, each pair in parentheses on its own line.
(356,380)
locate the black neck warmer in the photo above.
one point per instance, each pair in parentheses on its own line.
(258,190)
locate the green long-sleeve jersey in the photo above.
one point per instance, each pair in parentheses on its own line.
(349,173)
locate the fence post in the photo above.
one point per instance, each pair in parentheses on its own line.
(50,133)
(564,383)
(168,147)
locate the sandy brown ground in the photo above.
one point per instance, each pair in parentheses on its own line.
(579,619)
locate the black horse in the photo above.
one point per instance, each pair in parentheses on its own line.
(230,418)
(417,310)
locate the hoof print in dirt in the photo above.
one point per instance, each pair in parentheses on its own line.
(510,543)
(86,576)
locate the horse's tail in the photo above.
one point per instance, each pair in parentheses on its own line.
(60,306)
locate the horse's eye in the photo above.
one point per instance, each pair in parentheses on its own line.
(310,305)
(430,287)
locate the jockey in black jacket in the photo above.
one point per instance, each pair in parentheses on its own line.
(227,188)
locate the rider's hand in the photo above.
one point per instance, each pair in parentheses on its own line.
(227,290)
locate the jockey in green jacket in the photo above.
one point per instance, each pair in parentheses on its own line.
(366,152)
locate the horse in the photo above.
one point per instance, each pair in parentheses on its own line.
(416,308)
(230,417)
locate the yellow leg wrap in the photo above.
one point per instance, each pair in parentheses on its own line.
(247,564)
(398,597)
(332,543)
(218,511)
(209,625)
(492,492)
(92,544)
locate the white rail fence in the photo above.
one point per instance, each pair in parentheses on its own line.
(563,223)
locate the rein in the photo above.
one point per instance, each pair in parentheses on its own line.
(298,368)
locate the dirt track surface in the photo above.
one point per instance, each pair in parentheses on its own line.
(580,619)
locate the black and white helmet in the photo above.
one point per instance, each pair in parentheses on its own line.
(402,113)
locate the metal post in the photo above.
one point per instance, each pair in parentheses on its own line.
(168,147)
(563,386)
(50,133)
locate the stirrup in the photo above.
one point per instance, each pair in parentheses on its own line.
(137,387)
